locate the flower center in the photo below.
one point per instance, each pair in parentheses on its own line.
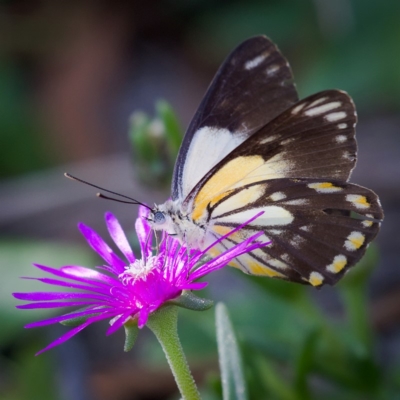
(138,270)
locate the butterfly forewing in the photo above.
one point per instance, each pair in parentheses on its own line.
(317,228)
(312,139)
(252,87)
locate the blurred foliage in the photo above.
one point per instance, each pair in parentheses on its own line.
(21,144)
(346,44)
(25,376)
(155,143)
(293,350)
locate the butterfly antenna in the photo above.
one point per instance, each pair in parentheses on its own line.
(102,196)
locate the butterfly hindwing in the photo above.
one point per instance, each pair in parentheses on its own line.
(317,228)
(253,86)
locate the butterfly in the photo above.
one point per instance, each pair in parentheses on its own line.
(252,147)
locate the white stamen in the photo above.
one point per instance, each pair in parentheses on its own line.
(139,269)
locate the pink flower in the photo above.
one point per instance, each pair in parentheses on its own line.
(131,289)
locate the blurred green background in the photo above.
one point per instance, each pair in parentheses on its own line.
(71,75)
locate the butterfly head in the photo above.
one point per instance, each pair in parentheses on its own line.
(159,218)
(162,218)
(171,218)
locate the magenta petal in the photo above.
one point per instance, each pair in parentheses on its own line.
(55,304)
(56,282)
(118,235)
(118,323)
(72,333)
(224,258)
(102,248)
(68,274)
(87,273)
(64,337)
(143,232)
(41,296)
(143,317)
(61,318)
(227,235)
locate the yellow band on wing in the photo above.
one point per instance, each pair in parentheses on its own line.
(216,187)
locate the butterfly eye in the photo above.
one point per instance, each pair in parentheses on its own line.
(159,217)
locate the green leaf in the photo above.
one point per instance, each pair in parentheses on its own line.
(230,361)
(131,334)
(192,302)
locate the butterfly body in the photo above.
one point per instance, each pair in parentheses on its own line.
(253,147)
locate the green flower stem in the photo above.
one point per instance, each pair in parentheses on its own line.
(164,324)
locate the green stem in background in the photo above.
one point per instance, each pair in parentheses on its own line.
(164,324)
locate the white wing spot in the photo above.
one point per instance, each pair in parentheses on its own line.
(316,102)
(255,62)
(341,138)
(277,196)
(342,126)
(269,139)
(287,141)
(305,228)
(277,263)
(358,201)
(335,116)
(324,187)
(298,108)
(347,156)
(275,231)
(366,223)
(297,240)
(316,278)
(272,69)
(322,109)
(339,262)
(354,241)
(297,202)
